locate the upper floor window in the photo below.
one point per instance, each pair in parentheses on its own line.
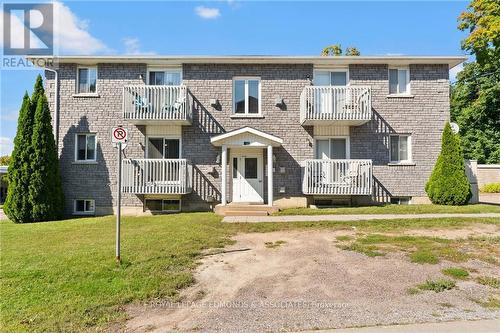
(334,77)
(246,96)
(87,80)
(400,148)
(399,81)
(160,147)
(168,77)
(86,146)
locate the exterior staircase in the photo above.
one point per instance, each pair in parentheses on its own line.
(245,209)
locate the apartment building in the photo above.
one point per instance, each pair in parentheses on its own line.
(259,131)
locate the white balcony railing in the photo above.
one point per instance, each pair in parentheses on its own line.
(337,177)
(157,176)
(143,103)
(347,105)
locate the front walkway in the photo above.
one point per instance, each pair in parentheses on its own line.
(357,217)
(478,326)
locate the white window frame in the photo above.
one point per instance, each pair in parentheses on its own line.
(409,160)
(408,85)
(95,148)
(333,69)
(246,79)
(90,212)
(347,143)
(164,70)
(77,85)
(168,137)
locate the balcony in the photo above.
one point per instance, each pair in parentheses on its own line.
(159,105)
(157,176)
(337,177)
(331,105)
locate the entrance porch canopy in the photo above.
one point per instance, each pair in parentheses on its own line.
(247,137)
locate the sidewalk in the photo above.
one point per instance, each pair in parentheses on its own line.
(357,217)
(479,326)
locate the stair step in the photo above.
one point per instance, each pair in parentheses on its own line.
(245,213)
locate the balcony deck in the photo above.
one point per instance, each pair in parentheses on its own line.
(160,105)
(337,177)
(332,105)
(157,176)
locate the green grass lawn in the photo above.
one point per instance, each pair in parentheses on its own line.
(61,276)
(394,209)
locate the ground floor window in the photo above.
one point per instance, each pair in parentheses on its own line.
(84,206)
(400,200)
(163,205)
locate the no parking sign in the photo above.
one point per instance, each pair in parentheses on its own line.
(119,134)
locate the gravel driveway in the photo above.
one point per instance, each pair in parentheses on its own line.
(307,283)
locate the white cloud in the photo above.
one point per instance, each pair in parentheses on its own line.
(454,71)
(133,47)
(9,115)
(207,13)
(71,35)
(6,145)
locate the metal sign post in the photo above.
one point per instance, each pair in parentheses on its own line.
(119,137)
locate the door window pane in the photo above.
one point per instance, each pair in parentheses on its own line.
(239,96)
(321,79)
(250,168)
(235,167)
(322,149)
(172,148)
(156,78)
(338,149)
(253,96)
(173,78)
(393,81)
(394,148)
(339,78)
(155,148)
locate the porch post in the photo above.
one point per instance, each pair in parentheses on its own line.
(269,175)
(224,175)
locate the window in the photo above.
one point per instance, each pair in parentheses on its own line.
(163,148)
(171,77)
(87,80)
(399,81)
(400,148)
(332,148)
(334,77)
(251,168)
(246,96)
(400,200)
(85,147)
(84,206)
(164,205)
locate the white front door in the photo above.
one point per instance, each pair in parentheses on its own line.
(247,177)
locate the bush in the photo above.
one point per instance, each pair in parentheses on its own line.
(491,188)
(448,184)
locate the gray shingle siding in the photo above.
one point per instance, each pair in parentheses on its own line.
(423,116)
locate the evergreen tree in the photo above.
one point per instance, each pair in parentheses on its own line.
(45,191)
(17,205)
(448,184)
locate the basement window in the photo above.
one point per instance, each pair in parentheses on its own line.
(400,200)
(84,207)
(163,205)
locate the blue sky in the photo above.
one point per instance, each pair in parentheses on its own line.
(239,27)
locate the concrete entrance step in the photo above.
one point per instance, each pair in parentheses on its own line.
(240,209)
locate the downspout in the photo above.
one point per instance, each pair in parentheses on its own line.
(56,106)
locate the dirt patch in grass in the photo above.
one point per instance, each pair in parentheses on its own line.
(335,288)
